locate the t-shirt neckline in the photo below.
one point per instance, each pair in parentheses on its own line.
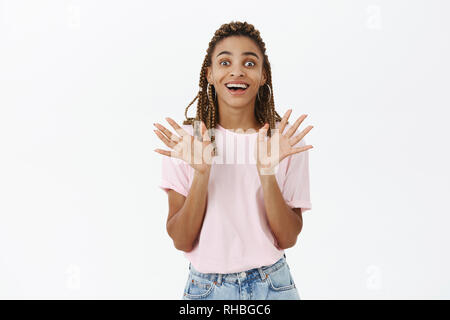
(234,133)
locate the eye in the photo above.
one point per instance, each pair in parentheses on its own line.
(221,63)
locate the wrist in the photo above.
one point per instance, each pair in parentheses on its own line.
(204,173)
(265,171)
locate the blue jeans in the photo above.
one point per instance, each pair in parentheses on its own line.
(273,282)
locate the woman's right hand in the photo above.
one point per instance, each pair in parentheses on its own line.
(197,153)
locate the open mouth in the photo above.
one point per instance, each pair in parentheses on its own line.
(237,88)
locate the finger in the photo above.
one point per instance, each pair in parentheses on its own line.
(165,152)
(294,140)
(299,149)
(167,142)
(177,128)
(284,120)
(294,127)
(167,132)
(263,132)
(261,145)
(205,134)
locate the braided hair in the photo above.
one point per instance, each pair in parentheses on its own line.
(207,108)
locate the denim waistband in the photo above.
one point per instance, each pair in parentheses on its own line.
(250,274)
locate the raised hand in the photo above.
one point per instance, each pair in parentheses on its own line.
(197,152)
(272,150)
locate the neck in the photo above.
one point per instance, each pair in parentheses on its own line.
(238,117)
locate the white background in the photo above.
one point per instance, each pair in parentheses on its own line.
(81,83)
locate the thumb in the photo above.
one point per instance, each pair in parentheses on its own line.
(205,134)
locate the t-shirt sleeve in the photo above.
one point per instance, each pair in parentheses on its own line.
(296,183)
(174,175)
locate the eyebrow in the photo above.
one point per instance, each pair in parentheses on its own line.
(247,53)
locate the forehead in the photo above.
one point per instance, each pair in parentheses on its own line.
(236,45)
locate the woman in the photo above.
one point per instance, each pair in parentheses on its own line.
(236,197)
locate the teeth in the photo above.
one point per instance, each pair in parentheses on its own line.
(237,85)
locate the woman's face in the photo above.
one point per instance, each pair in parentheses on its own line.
(236,58)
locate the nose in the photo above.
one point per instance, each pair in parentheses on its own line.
(237,72)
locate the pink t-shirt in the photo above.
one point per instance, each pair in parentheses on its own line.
(235,234)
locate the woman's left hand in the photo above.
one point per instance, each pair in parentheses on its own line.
(270,151)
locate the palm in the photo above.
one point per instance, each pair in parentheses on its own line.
(270,151)
(198,154)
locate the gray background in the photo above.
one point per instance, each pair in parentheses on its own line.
(81,83)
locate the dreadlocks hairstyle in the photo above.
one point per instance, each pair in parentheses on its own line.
(207,107)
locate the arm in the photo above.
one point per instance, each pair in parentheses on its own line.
(186,214)
(286,223)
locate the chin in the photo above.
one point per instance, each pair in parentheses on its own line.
(238,104)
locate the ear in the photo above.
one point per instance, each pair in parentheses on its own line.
(208,74)
(264,78)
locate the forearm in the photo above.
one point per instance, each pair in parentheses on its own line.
(184,227)
(283,221)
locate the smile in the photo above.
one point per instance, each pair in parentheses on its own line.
(236,89)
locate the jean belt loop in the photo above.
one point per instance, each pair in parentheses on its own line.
(262,274)
(219,279)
